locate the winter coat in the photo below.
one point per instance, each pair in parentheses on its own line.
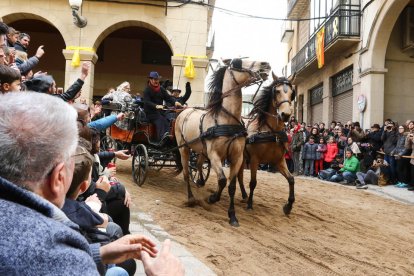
(331,152)
(182,99)
(309,151)
(357,136)
(389,138)
(374,138)
(297,141)
(153,98)
(320,152)
(400,147)
(37,237)
(26,66)
(351,165)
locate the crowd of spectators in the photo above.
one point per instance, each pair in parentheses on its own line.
(63,209)
(380,155)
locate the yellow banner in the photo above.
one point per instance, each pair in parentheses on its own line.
(76,55)
(320,47)
(189,70)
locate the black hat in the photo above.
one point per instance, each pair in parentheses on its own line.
(40,84)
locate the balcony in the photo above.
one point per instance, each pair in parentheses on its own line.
(296,8)
(342,30)
(286,31)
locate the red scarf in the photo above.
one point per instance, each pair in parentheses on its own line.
(155,88)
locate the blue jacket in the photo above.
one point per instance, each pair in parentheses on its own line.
(37,238)
(309,151)
(103,123)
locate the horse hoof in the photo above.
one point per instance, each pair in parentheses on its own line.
(191,202)
(200,183)
(286,209)
(234,223)
(212,199)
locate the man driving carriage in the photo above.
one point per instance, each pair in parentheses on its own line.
(154,95)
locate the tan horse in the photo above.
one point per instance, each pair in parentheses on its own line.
(267,140)
(217,133)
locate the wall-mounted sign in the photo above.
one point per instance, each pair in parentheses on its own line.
(362,103)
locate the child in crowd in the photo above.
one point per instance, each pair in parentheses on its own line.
(320,154)
(309,155)
(9,79)
(331,152)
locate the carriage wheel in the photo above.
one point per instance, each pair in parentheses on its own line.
(140,164)
(107,142)
(192,167)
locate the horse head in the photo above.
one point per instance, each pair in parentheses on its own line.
(283,94)
(245,72)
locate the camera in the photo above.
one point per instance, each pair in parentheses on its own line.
(388,127)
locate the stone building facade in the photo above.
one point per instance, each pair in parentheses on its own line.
(124,40)
(368,50)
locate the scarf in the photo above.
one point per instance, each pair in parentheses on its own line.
(154,88)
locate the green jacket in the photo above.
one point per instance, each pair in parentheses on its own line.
(351,165)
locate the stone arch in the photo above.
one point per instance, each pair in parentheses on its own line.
(10,15)
(385,19)
(130,23)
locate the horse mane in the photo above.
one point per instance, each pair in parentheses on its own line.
(216,88)
(263,101)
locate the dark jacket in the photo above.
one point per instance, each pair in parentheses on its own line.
(389,138)
(19,47)
(152,98)
(81,214)
(183,99)
(374,138)
(37,237)
(72,91)
(400,148)
(309,151)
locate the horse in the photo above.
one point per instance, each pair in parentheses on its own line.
(217,133)
(266,138)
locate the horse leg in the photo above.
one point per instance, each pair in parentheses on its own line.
(283,169)
(241,184)
(222,181)
(185,156)
(200,162)
(253,181)
(235,168)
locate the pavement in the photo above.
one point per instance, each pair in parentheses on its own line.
(143,224)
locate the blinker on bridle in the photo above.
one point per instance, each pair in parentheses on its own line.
(286,84)
(236,65)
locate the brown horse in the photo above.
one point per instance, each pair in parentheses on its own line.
(217,132)
(267,140)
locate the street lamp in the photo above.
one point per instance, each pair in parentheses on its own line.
(78,20)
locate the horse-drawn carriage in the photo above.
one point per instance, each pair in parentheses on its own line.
(136,134)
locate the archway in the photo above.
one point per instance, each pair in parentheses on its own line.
(129,54)
(43,33)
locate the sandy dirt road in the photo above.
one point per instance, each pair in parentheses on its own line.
(333,229)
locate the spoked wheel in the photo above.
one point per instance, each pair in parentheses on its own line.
(140,164)
(192,167)
(107,142)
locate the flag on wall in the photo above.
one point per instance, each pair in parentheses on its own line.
(320,47)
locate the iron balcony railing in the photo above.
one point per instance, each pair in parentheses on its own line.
(343,23)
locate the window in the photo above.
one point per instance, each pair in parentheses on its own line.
(156,52)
